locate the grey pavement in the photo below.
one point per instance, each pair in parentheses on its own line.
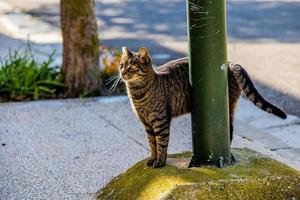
(69,149)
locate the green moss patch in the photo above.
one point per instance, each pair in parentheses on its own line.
(253,177)
(255,188)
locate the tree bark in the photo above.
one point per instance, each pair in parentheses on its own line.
(80,67)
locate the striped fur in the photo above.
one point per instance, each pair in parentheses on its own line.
(159,94)
(244,81)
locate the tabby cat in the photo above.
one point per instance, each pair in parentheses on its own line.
(161,93)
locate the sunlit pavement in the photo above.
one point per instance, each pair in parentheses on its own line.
(68,149)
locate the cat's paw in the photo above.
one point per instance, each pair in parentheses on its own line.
(150,162)
(159,163)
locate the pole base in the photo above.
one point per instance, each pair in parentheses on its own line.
(196,162)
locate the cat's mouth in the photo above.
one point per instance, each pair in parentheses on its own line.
(130,78)
(125,77)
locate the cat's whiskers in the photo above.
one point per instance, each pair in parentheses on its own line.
(113,78)
(115,84)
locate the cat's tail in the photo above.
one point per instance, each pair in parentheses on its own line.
(245,83)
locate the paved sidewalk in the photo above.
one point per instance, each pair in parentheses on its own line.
(68,149)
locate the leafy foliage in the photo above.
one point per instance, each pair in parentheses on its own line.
(23,78)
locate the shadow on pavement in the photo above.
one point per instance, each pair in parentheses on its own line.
(270,20)
(289,103)
(247,20)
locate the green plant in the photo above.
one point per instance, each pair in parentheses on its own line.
(23,78)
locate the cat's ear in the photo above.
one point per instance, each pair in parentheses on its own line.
(144,55)
(126,52)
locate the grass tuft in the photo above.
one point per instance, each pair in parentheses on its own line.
(22,77)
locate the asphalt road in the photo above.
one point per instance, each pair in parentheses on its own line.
(263,35)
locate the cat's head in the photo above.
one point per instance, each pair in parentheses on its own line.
(135,67)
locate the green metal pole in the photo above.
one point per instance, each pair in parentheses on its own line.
(208,76)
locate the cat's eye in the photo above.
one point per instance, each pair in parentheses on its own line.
(133,68)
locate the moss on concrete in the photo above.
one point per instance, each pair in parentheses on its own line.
(254,176)
(280,187)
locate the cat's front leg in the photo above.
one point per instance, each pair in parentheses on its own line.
(162,132)
(153,157)
(152,143)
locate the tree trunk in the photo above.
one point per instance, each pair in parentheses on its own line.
(80,66)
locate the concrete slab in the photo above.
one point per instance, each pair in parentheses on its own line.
(79,150)
(290,153)
(255,134)
(259,118)
(68,149)
(23,174)
(288,134)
